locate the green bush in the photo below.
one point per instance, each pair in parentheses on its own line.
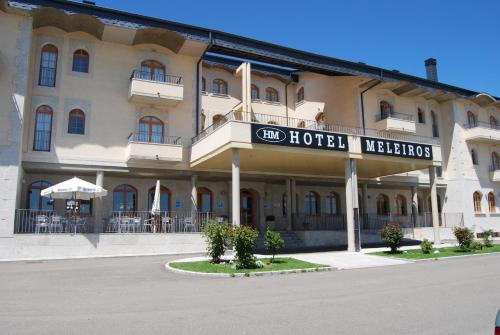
(488,238)
(426,246)
(464,236)
(476,245)
(243,239)
(392,234)
(273,242)
(217,237)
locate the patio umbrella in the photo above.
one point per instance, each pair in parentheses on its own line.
(74,188)
(155,207)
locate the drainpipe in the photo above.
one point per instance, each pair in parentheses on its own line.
(198,82)
(363,106)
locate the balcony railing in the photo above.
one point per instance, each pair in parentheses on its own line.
(284,121)
(394,115)
(158,77)
(481,124)
(146,137)
(30,221)
(335,222)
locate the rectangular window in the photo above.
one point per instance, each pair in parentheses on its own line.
(421,118)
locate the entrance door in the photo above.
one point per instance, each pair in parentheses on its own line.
(247,208)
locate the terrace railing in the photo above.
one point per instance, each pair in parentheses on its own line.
(158,77)
(30,221)
(146,137)
(394,115)
(482,124)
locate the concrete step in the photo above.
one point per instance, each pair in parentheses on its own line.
(292,241)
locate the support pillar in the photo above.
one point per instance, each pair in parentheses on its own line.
(365,199)
(414,206)
(289,216)
(235,203)
(98,204)
(194,193)
(352,209)
(434,205)
(293,196)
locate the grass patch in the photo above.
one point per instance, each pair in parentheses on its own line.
(278,265)
(443,252)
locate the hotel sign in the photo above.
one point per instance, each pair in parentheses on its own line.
(298,137)
(380,146)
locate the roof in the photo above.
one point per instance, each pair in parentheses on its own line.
(247,48)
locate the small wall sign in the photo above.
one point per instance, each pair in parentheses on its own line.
(178,204)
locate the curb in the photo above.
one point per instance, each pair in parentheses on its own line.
(440,258)
(246,274)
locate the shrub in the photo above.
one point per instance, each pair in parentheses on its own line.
(217,236)
(488,238)
(426,246)
(392,234)
(273,242)
(476,245)
(243,239)
(464,236)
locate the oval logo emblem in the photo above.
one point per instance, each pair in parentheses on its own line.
(271,134)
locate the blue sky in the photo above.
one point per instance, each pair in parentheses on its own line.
(464,36)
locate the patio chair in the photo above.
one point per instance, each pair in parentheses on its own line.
(80,225)
(136,224)
(166,224)
(56,224)
(42,222)
(188,224)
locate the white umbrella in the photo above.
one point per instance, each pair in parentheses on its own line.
(155,207)
(74,188)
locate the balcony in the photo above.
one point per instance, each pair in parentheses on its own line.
(495,173)
(155,89)
(149,147)
(482,132)
(399,122)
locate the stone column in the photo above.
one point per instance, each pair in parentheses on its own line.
(293,197)
(352,210)
(434,205)
(414,206)
(98,204)
(194,193)
(236,188)
(289,205)
(365,198)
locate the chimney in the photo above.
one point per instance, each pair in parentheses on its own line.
(431,69)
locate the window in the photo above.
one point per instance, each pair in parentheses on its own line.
(493,122)
(48,66)
(151,130)
(301,124)
(35,200)
(385,109)
(84,206)
(272,95)
(165,198)
(435,129)
(219,86)
(203,84)
(382,205)
(255,92)
(473,156)
(421,115)
(471,119)
(495,162)
(125,198)
(476,197)
(491,203)
(312,203)
(321,120)
(81,61)
(218,118)
(284,206)
(43,129)
(401,208)
(152,70)
(333,203)
(204,200)
(76,122)
(300,94)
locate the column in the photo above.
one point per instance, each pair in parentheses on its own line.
(352,210)
(293,196)
(98,204)
(414,206)
(434,205)
(289,218)
(236,188)
(365,198)
(194,193)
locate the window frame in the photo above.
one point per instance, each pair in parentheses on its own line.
(48,49)
(153,65)
(41,185)
(78,114)
(476,199)
(271,92)
(163,190)
(254,89)
(150,122)
(200,192)
(492,207)
(221,85)
(81,55)
(127,188)
(48,111)
(308,204)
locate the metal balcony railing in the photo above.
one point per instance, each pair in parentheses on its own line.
(158,77)
(29,221)
(151,138)
(482,124)
(394,115)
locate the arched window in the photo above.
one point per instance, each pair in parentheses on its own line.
(255,94)
(495,162)
(473,156)
(401,208)
(35,200)
(321,120)
(312,203)
(300,94)
(333,203)
(152,70)
(204,200)
(76,122)
(219,86)
(81,61)
(383,205)
(203,84)
(125,198)
(43,129)
(476,197)
(471,119)
(420,115)
(284,206)
(272,95)
(301,124)
(435,128)
(218,118)
(48,66)
(165,198)
(385,109)
(492,207)
(493,122)
(151,130)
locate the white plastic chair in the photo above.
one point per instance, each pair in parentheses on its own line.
(136,224)
(188,224)
(166,224)
(56,224)
(42,222)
